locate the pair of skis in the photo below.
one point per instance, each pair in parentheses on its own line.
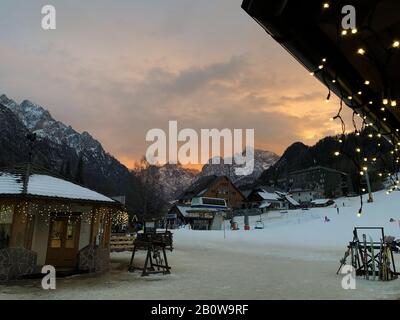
(369,263)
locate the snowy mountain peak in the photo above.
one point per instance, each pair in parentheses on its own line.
(262,161)
(39,120)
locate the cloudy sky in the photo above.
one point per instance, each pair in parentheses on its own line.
(119,68)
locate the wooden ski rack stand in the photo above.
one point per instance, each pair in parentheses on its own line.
(155,244)
(370,259)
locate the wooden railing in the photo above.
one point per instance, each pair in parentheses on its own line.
(119,243)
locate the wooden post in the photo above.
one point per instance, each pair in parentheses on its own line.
(370,199)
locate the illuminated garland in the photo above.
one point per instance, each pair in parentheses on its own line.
(49,212)
(387,101)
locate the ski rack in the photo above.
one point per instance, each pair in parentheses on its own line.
(155,244)
(372,260)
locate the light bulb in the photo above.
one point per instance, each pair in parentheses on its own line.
(367,82)
(361,51)
(396,44)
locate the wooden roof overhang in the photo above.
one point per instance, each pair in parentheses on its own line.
(311,33)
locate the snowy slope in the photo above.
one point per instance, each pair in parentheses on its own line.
(306,228)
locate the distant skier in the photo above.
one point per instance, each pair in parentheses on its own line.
(326,219)
(337,209)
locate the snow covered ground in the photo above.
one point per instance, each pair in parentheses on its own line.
(295,256)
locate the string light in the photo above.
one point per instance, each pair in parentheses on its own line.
(361,51)
(48,212)
(326,5)
(357,105)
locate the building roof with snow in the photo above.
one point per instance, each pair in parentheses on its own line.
(322,201)
(265,195)
(37,183)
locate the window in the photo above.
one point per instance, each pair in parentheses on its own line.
(6,217)
(56,233)
(222,191)
(70,237)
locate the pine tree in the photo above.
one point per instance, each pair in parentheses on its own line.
(79,170)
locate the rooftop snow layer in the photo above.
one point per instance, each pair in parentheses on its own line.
(264,204)
(10,183)
(268,195)
(48,186)
(291,200)
(320,201)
